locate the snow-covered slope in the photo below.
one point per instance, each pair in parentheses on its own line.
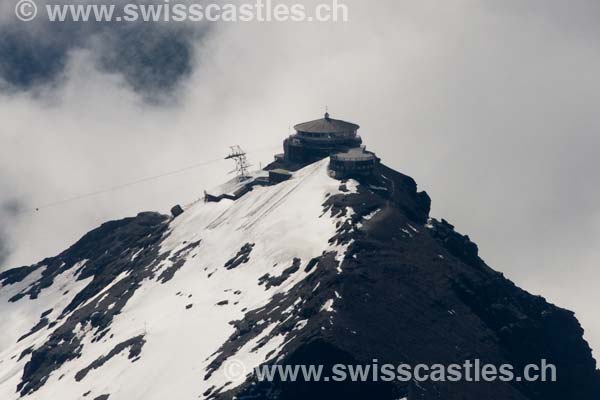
(311,270)
(183,309)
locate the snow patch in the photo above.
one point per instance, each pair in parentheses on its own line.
(328,306)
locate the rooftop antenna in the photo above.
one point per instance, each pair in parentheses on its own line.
(241,162)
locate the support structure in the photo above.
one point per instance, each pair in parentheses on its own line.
(241,162)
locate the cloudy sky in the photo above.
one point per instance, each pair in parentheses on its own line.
(491,106)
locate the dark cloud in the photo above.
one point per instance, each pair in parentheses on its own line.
(153,58)
(27,61)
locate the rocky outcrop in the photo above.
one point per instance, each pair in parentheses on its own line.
(413,290)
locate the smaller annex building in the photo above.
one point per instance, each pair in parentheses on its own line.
(352,163)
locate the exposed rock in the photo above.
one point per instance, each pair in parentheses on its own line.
(241,257)
(134,345)
(176,211)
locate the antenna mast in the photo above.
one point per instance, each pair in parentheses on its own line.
(241,162)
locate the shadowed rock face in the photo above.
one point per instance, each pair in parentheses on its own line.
(408,290)
(417,292)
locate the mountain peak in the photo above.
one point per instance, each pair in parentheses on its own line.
(316,268)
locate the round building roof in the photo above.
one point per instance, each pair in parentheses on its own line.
(326,125)
(355,154)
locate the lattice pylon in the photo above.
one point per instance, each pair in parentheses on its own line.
(241,162)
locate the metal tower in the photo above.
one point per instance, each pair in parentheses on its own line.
(241,162)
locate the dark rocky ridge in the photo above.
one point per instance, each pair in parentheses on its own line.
(414,290)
